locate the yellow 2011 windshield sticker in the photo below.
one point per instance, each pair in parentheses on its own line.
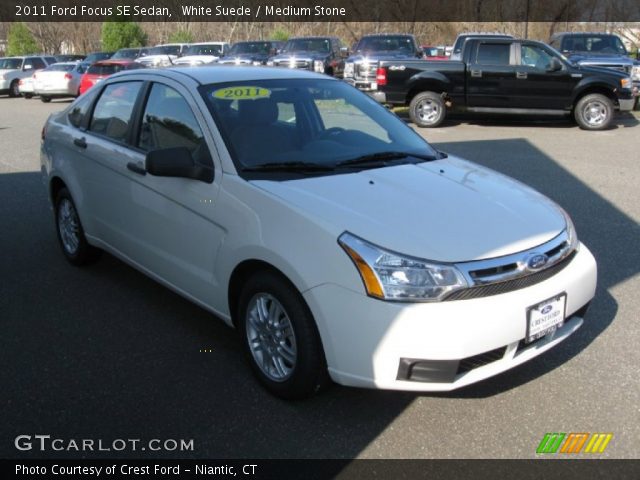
(242,93)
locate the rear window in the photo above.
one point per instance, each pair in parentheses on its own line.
(493,53)
(384,44)
(109,69)
(59,68)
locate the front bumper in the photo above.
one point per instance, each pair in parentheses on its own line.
(54,91)
(368,87)
(379,344)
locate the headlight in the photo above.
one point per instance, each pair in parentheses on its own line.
(255,63)
(571,230)
(626,82)
(318,66)
(635,73)
(391,276)
(269,63)
(348,69)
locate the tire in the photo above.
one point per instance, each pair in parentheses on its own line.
(636,106)
(13,89)
(273,317)
(594,112)
(45,99)
(28,96)
(427,110)
(70,233)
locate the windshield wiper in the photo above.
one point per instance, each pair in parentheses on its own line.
(381,158)
(289,167)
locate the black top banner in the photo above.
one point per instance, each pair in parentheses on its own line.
(322,10)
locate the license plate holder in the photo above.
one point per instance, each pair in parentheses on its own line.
(546,317)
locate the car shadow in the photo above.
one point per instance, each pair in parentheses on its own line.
(106,352)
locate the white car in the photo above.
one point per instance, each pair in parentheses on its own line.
(59,80)
(336,240)
(25,87)
(14,69)
(199,54)
(162,55)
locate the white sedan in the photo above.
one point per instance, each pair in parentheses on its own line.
(59,80)
(334,238)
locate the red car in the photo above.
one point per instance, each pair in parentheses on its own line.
(434,53)
(102,69)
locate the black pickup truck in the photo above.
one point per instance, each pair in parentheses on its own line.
(505,76)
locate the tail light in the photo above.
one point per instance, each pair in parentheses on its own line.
(68,76)
(381,76)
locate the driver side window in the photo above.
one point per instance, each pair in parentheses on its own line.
(536,57)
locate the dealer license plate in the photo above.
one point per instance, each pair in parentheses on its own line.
(545,317)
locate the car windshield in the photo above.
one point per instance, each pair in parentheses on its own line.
(594,44)
(309,124)
(126,53)
(386,44)
(308,45)
(204,50)
(60,67)
(164,50)
(250,47)
(10,63)
(95,57)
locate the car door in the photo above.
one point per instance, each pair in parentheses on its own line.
(490,66)
(537,87)
(171,224)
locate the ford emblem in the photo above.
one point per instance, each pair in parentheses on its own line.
(546,309)
(536,261)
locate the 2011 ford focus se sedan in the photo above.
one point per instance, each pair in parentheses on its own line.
(338,242)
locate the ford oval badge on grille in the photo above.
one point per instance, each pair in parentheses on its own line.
(546,309)
(536,261)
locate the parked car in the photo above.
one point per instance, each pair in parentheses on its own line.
(598,50)
(458,45)
(361,66)
(336,240)
(317,54)
(505,76)
(434,53)
(25,87)
(250,53)
(59,80)
(162,55)
(129,53)
(69,58)
(103,69)
(199,54)
(13,69)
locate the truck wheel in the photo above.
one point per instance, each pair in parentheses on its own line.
(45,99)
(280,338)
(13,89)
(427,109)
(594,112)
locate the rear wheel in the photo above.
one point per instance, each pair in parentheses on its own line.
(45,99)
(594,112)
(70,233)
(14,91)
(427,109)
(280,338)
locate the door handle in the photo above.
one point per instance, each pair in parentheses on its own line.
(476,73)
(522,75)
(80,142)
(136,168)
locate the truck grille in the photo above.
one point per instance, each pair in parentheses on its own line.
(297,63)
(365,71)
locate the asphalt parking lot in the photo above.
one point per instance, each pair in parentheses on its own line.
(106,353)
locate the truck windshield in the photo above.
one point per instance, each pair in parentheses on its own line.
(250,47)
(594,44)
(386,44)
(215,50)
(308,45)
(164,50)
(289,124)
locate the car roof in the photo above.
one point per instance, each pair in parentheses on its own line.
(226,73)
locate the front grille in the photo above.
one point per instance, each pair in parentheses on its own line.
(511,285)
(297,63)
(480,360)
(365,71)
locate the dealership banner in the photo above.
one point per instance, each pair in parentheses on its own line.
(321,10)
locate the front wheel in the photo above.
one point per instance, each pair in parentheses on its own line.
(14,89)
(45,99)
(594,112)
(74,245)
(280,338)
(427,109)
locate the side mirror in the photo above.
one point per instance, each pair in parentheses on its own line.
(554,65)
(176,162)
(28,67)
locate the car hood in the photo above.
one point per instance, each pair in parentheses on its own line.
(598,70)
(196,58)
(446,210)
(380,56)
(10,70)
(601,58)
